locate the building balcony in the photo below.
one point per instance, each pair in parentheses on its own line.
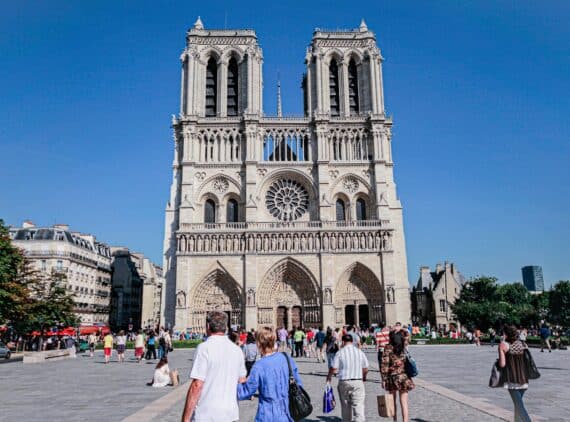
(305,237)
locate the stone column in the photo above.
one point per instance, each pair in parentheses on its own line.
(380,84)
(373,87)
(319,82)
(344,97)
(190,92)
(183,84)
(308,88)
(222,110)
(290,318)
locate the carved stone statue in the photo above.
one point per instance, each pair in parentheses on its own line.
(181,300)
(250,297)
(328,295)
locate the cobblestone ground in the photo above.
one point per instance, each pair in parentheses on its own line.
(85,389)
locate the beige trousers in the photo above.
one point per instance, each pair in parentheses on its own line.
(351,395)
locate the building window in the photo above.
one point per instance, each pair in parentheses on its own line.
(340,210)
(334,88)
(59,264)
(209,211)
(232,87)
(353,87)
(211,87)
(442,306)
(232,211)
(44,265)
(360,209)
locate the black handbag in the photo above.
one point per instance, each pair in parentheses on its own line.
(496,375)
(531,369)
(299,401)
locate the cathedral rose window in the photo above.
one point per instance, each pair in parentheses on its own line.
(287,200)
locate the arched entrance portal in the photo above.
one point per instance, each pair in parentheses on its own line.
(358,297)
(218,291)
(289,296)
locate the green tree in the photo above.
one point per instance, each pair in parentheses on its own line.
(541,304)
(52,305)
(515,294)
(559,301)
(29,299)
(479,290)
(474,307)
(483,304)
(15,298)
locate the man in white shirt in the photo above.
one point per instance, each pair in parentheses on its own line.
(351,365)
(218,367)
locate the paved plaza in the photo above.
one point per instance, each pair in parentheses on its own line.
(451,387)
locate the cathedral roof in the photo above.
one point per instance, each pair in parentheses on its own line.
(199,30)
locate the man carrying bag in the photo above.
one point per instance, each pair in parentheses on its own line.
(351,365)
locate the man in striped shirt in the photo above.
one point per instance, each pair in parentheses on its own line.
(351,365)
(382,339)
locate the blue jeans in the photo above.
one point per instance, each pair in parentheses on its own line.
(521,415)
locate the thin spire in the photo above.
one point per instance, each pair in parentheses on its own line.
(198,24)
(279,110)
(363,27)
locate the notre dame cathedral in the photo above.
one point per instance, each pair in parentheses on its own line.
(280,220)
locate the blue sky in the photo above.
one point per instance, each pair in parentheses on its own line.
(478,92)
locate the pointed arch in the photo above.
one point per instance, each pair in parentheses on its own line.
(211,100)
(353,100)
(334,87)
(218,291)
(358,290)
(289,284)
(232,87)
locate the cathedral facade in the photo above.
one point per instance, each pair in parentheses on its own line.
(283,221)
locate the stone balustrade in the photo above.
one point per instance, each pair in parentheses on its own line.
(291,238)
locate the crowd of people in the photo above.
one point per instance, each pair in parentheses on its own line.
(241,364)
(232,365)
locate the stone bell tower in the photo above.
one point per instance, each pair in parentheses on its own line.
(278,220)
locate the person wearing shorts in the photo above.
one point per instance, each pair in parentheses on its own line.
(92,340)
(121,346)
(108,346)
(139,346)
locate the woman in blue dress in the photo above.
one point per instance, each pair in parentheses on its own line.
(270,375)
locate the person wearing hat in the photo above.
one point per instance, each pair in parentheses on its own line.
(351,365)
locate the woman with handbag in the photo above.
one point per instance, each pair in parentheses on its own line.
(270,376)
(393,371)
(514,361)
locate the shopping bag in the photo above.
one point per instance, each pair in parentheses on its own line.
(386,405)
(174,377)
(329,402)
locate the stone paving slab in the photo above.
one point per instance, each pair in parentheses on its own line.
(466,369)
(85,389)
(425,406)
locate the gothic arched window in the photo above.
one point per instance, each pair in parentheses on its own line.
(232,87)
(209,211)
(353,87)
(334,88)
(360,209)
(211,87)
(340,210)
(232,211)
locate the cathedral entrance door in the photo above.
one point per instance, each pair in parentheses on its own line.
(349,315)
(363,316)
(297,317)
(282,317)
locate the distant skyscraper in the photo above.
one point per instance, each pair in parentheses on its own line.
(532,278)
